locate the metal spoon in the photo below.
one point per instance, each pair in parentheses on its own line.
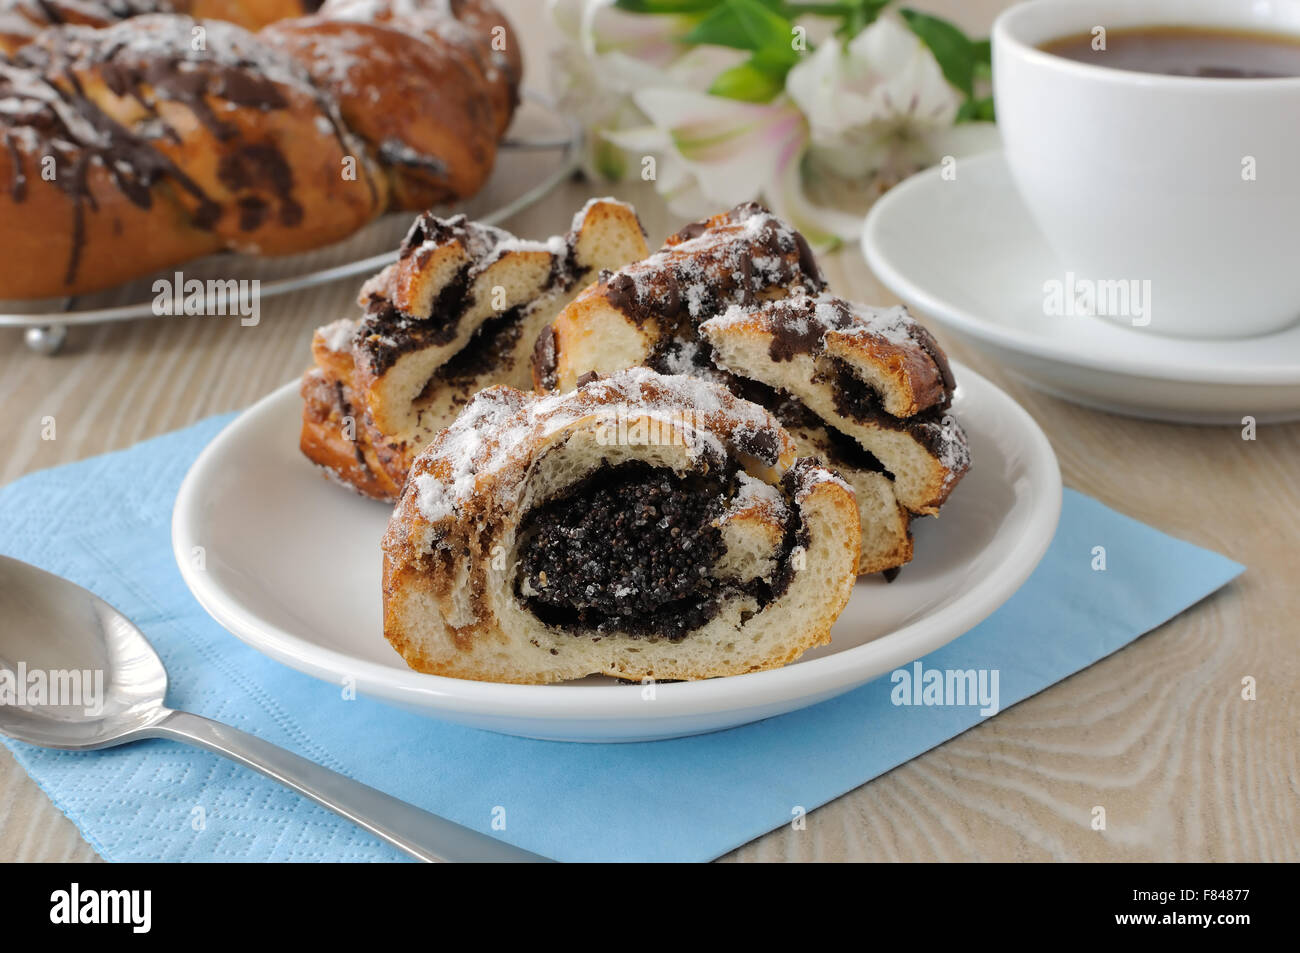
(50,624)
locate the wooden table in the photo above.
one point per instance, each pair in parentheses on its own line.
(1158,733)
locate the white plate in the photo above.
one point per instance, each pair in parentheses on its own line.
(292,567)
(964,252)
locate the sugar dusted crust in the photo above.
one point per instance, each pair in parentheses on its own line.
(451,553)
(645,311)
(876,375)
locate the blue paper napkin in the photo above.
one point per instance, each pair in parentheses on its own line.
(105,523)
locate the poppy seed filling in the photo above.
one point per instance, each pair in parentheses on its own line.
(629,548)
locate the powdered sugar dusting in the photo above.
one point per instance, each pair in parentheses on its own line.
(892,325)
(500,425)
(753,492)
(815,316)
(581,215)
(338,335)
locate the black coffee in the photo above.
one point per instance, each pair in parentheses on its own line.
(1186,51)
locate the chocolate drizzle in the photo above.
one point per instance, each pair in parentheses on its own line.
(799,325)
(150,60)
(797,328)
(711,265)
(398,153)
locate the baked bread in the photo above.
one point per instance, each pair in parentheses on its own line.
(21,21)
(458,311)
(640,526)
(875,375)
(181,137)
(886,525)
(649,312)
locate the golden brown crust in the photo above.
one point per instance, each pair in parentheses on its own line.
(324,439)
(418,107)
(745,280)
(476,28)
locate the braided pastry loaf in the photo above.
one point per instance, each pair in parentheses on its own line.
(179,137)
(21,21)
(641,526)
(738,299)
(458,311)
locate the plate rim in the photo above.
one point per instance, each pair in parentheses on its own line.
(815,679)
(875,254)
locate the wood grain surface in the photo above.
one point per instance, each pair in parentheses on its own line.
(1158,733)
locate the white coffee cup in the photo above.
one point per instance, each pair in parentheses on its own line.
(1191,184)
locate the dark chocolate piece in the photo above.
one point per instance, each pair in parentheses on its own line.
(544,359)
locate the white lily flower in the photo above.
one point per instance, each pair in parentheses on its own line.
(875,104)
(854,118)
(713,152)
(609,55)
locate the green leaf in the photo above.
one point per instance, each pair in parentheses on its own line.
(956,54)
(977,110)
(609,160)
(748,81)
(747,25)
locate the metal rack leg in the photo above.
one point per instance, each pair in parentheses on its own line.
(47,339)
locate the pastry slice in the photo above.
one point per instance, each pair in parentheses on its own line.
(873,375)
(648,312)
(739,260)
(458,311)
(639,526)
(886,536)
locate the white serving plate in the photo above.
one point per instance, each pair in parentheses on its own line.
(965,253)
(292,567)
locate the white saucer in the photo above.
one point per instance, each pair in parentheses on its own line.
(964,253)
(292,568)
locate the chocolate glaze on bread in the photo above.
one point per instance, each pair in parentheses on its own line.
(245,126)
